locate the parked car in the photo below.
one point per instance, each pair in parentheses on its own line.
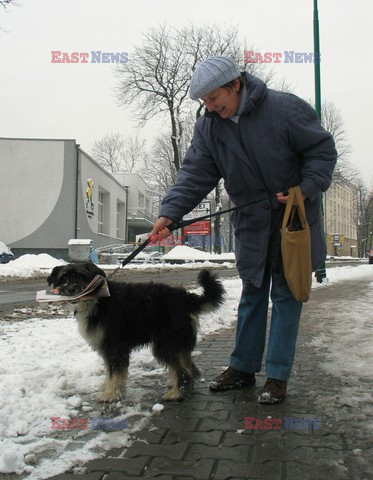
(6,254)
(370,255)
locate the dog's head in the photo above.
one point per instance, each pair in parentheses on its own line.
(71,279)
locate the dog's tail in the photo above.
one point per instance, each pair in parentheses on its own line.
(213,291)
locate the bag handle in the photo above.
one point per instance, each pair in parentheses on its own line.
(301,207)
(294,193)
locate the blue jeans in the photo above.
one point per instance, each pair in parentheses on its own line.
(252,324)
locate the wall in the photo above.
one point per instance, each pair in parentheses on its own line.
(36,197)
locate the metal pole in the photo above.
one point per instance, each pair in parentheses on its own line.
(320,273)
(316,51)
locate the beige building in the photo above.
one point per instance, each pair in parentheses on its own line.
(340,215)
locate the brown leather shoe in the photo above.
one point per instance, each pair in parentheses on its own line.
(231,379)
(274,391)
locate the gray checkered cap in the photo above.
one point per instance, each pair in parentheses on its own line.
(210,74)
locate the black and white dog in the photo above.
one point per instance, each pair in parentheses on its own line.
(135,315)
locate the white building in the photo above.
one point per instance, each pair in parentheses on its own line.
(51,191)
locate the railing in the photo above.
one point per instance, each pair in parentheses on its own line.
(116,248)
(137,213)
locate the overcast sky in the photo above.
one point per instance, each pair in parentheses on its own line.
(42,99)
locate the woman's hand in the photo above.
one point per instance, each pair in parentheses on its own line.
(282,197)
(160,230)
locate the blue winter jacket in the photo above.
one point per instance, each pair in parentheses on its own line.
(278,143)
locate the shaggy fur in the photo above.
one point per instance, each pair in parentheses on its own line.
(135,315)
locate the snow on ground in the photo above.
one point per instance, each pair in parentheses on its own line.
(346,343)
(349,272)
(47,370)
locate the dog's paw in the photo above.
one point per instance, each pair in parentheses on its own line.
(105,385)
(109,396)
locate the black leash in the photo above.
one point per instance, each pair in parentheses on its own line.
(184,223)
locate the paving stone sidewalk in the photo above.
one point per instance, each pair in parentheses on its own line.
(204,437)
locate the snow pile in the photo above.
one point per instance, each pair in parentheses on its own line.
(28,265)
(185,253)
(182,252)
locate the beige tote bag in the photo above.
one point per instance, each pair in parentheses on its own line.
(296,247)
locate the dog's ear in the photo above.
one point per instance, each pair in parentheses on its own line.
(94,269)
(53,276)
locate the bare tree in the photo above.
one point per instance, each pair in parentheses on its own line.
(156,79)
(332,121)
(8,3)
(282,85)
(118,154)
(134,154)
(108,152)
(364,218)
(159,169)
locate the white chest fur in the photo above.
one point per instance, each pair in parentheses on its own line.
(93,336)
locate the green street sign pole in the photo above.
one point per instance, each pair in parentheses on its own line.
(320,273)
(316,51)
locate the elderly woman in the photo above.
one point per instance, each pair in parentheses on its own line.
(261,142)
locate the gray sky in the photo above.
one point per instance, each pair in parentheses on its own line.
(59,100)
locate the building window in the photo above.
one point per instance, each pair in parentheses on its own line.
(103,216)
(100,212)
(120,219)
